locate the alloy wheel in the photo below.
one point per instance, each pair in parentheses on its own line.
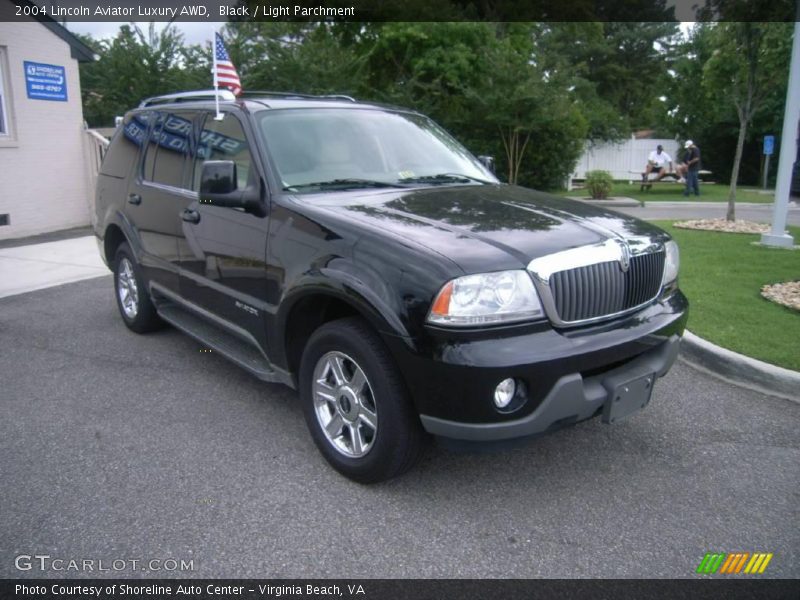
(344,404)
(127,289)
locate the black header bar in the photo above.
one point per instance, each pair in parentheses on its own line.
(395,589)
(213,11)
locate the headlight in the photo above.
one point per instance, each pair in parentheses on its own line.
(671,263)
(501,297)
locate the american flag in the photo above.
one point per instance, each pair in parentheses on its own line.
(224,72)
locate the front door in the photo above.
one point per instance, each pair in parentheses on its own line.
(223,250)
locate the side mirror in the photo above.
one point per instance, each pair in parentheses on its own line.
(488,162)
(218,177)
(219,187)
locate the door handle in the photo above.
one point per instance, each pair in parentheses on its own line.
(190,216)
(134,199)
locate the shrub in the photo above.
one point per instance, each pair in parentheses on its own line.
(599,184)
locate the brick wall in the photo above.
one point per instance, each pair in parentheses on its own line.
(43,172)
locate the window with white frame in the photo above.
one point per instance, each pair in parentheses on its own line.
(4,116)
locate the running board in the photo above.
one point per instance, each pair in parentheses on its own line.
(220,341)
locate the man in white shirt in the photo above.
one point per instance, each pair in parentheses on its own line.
(656,163)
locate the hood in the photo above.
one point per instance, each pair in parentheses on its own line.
(490,227)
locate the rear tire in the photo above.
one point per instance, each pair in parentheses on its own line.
(133,299)
(356,405)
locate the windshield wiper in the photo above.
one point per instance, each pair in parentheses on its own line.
(350,182)
(443,178)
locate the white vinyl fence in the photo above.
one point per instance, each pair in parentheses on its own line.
(625,161)
(95,146)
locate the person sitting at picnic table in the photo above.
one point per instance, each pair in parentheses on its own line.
(656,163)
(680,171)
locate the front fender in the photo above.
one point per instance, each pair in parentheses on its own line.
(371,296)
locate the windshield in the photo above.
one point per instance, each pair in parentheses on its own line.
(334,148)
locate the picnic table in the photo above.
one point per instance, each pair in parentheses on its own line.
(647,184)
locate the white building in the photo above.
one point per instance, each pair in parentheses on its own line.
(43,151)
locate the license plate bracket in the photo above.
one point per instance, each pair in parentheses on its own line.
(628,398)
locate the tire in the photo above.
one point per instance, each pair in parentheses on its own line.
(133,299)
(375,432)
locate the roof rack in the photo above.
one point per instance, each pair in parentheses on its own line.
(298,95)
(188,97)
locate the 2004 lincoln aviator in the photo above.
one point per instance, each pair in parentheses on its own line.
(358,253)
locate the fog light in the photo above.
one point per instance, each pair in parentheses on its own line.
(504,393)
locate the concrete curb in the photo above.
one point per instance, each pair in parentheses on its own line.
(52,236)
(739,369)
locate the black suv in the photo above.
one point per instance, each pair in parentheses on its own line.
(358,253)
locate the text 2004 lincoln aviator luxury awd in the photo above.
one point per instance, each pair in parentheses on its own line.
(361,255)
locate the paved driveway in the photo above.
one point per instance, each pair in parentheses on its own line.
(118,446)
(760,213)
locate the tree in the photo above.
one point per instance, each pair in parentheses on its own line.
(306,58)
(483,82)
(137,64)
(748,61)
(427,66)
(696,109)
(617,71)
(531,111)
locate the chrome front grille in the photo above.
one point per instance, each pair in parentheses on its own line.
(602,289)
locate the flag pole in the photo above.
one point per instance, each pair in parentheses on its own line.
(218,116)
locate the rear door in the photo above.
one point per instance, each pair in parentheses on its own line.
(223,251)
(157,194)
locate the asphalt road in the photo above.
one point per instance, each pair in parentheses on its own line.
(120,447)
(760,213)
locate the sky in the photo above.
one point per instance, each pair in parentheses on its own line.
(194,33)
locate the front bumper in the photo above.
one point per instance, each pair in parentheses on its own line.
(566,373)
(571,399)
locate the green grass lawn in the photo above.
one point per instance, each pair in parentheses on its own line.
(709,192)
(722,275)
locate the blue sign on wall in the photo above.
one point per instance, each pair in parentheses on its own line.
(769,144)
(45,82)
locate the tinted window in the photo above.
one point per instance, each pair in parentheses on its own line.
(123,152)
(224,140)
(151,148)
(167,148)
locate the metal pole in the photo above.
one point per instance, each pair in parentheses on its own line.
(791,117)
(218,116)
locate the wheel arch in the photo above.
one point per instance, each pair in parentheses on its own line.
(305,312)
(112,240)
(118,230)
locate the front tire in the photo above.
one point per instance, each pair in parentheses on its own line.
(356,405)
(133,299)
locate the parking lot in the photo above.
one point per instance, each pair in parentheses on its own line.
(118,447)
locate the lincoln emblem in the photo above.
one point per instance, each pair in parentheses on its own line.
(625,257)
